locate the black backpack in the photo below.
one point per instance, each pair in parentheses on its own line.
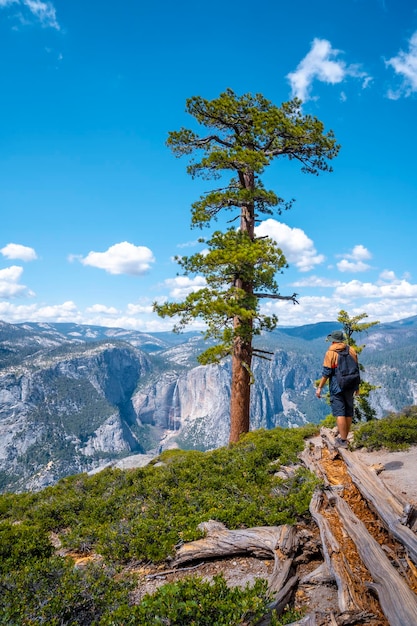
(347,371)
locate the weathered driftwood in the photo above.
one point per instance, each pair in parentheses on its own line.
(347,598)
(319,576)
(381,501)
(409,516)
(311,458)
(397,601)
(262,541)
(281,600)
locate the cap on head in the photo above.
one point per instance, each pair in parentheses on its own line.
(336,335)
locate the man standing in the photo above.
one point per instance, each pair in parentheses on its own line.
(341,401)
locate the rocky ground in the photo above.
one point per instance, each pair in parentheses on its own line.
(399,471)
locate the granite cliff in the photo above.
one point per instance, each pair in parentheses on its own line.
(75,398)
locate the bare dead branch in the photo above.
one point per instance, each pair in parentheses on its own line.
(276,296)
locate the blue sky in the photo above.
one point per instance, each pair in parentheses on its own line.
(94,206)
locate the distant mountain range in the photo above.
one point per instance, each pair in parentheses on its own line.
(75,398)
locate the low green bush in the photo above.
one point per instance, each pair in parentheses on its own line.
(329,421)
(396,431)
(196,602)
(55,593)
(142,514)
(22,544)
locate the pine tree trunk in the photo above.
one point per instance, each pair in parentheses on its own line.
(240,389)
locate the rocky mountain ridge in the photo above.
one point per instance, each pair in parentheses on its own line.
(74,398)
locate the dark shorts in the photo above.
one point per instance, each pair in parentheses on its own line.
(342,404)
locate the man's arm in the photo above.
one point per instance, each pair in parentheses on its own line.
(322,382)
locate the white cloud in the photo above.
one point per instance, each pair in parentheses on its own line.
(181,286)
(9,283)
(188,244)
(321,64)
(102,308)
(405,64)
(45,12)
(354,261)
(360,253)
(59,312)
(122,258)
(388,276)
(17,251)
(352,266)
(139,309)
(316,281)
(298,249)
(396,290)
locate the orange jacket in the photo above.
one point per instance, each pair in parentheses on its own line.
(330,364)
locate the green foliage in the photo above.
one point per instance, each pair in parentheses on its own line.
(246,133)
(363,412)
(22,544)
(54,592)
(142,514)
(354,325)
(288,617)
(397,431)
(329,421)
(250,133)
(194,601)
(218,304)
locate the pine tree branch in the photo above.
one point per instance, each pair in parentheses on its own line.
(276,296)
(198,143)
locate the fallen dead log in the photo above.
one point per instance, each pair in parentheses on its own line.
(398,602)
(262,541)
(348,600)
(321,575)
(381,501)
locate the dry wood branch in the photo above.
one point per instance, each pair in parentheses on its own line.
(320,575)
(262,541)
(281,601)
(397,601)
(409,516)
(334,559)
(310,457)
(381,501)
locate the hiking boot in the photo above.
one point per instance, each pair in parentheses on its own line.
(341,443)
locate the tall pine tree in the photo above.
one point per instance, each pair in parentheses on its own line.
(244,135)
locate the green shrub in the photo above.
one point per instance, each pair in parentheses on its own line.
(21,544)
(142,514)
(55,593)
(195,602)
(288,617)
(329,421)
(397,431)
